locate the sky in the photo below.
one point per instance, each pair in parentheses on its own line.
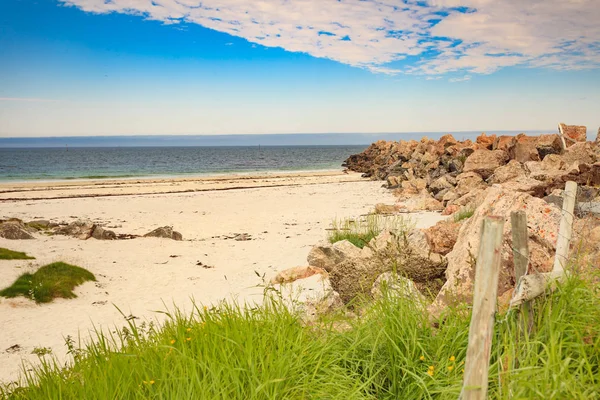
(218,67)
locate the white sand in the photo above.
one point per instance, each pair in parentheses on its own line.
(139,275)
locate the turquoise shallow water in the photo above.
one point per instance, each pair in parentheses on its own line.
(123,162)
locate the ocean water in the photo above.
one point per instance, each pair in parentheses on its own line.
(23,164)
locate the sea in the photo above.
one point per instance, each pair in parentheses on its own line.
(70,158)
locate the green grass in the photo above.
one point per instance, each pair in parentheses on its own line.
(6,254)
(463,213)
(360,232)
(49,282)
(266,353)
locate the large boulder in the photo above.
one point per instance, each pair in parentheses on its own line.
(166,232)
(468,182)
(485,162)
(293,274)
(309,297)
(542,222)
(397,286)
(327,255)
(421,202)
(504,143)
(14,229)
(508,172)
(579,152)
(406,253)
(99,233)
(79,229)
(485,142)
(573,133)
(548,144)
(524,149)
(442,236)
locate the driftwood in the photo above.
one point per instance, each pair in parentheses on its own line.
(485,293)
(531,286)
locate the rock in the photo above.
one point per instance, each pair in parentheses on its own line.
(406,253)
(14,230)
(413,186)
(442,236)
(504,143)
(39,224)
(468,182)
(394,181)
(524,149)
(381,208)
(548,144)
(100,233)
(293,274)
(421,202)
(79,229)
(542,221)
(327,255)
(309,297)
(450,209)
(396,286)
(510,171)
(442,183)
(527,185)
(573,133)
(486,142)
(485,162)
(166,232)
(579,152)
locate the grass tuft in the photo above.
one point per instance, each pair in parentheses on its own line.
(6,254)
(463,213)
(49,282)
(360,232)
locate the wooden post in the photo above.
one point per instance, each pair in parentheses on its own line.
(518,220)
(566,227)
(485,294)
(532,286)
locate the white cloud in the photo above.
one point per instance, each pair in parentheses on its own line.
(371,34)
(462,79)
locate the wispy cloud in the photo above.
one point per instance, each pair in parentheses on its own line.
(461,79)
(468,36)
(28,99)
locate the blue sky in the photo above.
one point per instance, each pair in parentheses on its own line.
(138,67)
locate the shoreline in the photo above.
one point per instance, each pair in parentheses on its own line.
(64,189)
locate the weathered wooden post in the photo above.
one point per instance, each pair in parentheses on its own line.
(532,286)
(518,220)
(485,292)
(565,228)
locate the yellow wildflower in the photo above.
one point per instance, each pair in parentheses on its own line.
(450,368)
(189,329)
(452,358)
(431,367)
(430,372)
(172,341)
(188,339)
(152,382)
(422,358)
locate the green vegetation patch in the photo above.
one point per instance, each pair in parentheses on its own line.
(391,352)
(360,232)
(6,254)
(463,213)
(49,282)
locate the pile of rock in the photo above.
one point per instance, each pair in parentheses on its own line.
(16,229)
(450,174)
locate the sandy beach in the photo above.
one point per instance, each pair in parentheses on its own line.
(283,214)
